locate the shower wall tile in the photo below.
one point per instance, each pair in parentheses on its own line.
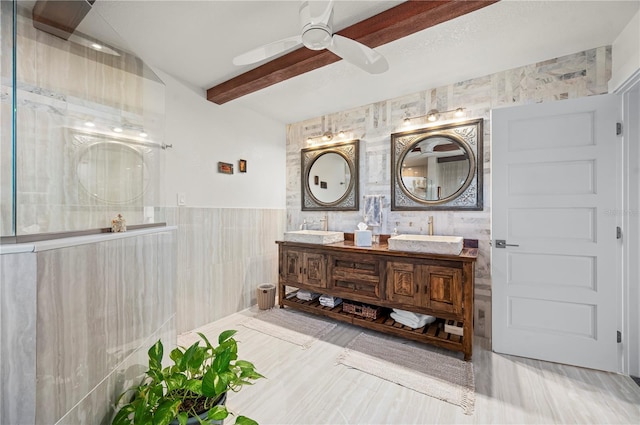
(223,255)
(99,406)
(577,75)
(97,305)
(17,338)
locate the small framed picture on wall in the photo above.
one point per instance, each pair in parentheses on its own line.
(242,165)
(225,168)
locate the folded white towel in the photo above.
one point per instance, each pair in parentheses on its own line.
(307,295)
(407,314)
(331,303)
(413,323)
(416,317)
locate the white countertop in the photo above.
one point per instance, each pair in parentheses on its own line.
(79,240)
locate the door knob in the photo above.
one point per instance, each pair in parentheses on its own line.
(501,243)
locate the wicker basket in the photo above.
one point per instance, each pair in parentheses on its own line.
(361,309)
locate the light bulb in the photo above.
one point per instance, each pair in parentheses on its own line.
(459,112)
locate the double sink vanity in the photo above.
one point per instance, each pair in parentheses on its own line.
(438,168)
(385,275)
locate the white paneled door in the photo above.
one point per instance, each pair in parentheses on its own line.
(556,279)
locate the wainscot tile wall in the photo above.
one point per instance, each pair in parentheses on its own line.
(95,308)
(223,255)
(572,76)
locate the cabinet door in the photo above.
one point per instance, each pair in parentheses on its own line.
(402,283)
(442,288)
(314,271)
(292,270)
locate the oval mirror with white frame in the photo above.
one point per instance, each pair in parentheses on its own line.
(330,177)
(437,168)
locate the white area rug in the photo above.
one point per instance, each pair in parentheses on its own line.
(290,326)
(420,369)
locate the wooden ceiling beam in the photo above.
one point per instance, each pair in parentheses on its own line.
(60,17)
(395,23)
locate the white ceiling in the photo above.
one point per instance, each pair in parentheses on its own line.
(195,41)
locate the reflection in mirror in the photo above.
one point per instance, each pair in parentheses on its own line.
(112,172)
(330,177)
(437,168)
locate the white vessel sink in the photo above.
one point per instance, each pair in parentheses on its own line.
(449,245)
(314,236)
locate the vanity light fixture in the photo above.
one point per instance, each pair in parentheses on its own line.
(434,115)
(327,136)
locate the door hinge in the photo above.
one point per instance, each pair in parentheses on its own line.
(618,128)
(618,232)
(619,337)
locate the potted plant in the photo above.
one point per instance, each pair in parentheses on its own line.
(193,389)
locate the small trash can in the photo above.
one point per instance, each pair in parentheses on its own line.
(266,293)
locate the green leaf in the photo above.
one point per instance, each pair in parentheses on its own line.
(217,413)
(184,361)
(166,412)
(123,417)
(221,362)
(243,364)
(194,385)
(176,355)
(204,338)
(175,381)
(155,356)
(196,360)
(209,383)
(183,418)
(224,336)
(243,420)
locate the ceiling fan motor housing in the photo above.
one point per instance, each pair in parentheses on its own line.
(316,37)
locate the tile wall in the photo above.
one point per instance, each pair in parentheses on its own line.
(223,255)
(572,76)
(88,314)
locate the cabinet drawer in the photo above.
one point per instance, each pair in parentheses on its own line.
(356,275)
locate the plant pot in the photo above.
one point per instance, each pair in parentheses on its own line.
(203,416)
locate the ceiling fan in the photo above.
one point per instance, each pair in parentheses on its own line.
(317,34)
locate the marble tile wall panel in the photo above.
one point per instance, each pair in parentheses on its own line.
(577,75)
(98,407)
(223,255)
(97,305)
(17,338)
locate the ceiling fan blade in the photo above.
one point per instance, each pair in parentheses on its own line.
(311,12)
(358,54)
(268,50)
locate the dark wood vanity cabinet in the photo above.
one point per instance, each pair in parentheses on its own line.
(438,288)
(438,285)
(304,267)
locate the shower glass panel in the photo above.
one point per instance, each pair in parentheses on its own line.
(7,84)
(89,129)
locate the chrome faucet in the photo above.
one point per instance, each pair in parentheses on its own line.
(430,224)
(325,222)
(303,226)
